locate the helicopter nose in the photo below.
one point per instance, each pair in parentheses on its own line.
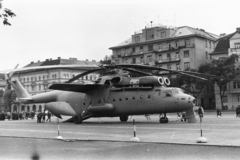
(192,100)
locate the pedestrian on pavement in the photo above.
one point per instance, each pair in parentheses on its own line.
(43,116)
(49,117)
(39,117)
(200,112)
(238,111)
(219,112)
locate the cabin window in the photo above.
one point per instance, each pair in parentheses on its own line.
(149,96)
(114,100)
(120,99)
(168,94)
(126,98)
(141,97)
(133,97)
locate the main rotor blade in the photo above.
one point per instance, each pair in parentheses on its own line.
(159,69)
(136,71)
(83,74)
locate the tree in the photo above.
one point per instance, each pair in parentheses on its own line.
(106,60)
(5,14)
(191,85)
(225,68)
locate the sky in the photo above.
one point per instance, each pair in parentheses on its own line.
(86,29)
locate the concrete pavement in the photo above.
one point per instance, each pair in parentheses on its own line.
(224,131)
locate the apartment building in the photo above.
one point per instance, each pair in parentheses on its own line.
(173,48)
(36,82)
(227,45)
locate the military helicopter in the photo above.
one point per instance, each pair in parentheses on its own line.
(115,94)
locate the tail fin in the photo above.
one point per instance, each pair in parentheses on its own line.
(21,92)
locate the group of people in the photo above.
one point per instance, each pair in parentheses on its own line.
(17,115)
(41,116)
(25,115)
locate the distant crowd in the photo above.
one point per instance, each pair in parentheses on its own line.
(27,115)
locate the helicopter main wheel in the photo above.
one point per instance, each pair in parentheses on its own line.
(123,118)
(77,119)
(163,120)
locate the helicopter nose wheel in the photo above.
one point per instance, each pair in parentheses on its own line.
(163,119)
(123,118)
(77,119)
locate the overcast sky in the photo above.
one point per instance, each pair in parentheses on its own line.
(85,29)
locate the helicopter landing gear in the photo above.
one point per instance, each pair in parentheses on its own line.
(123,118)
(163,119)
(77,119)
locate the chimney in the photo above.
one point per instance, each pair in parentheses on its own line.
(50,59)
(87,60)
(32,62)
(47,59)
(222,34)
(59,57)
(38,61)
(238,29)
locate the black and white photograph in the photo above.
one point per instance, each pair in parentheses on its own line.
(119,80)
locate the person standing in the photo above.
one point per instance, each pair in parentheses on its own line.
(237,111)
(39,117)
(200,112)
(49,117)
(219,112)
(43,116)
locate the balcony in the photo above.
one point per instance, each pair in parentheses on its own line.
(233,51)
(168,60)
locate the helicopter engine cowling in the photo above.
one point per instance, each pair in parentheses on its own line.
(154,80)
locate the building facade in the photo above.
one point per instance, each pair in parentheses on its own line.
(227,45)
(172,48)
(36,82)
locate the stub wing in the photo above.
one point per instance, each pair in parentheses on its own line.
(83,88)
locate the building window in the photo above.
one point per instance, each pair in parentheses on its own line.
(169,45)
(150,47)
(168,56)
(141,60)
(238,98)
(169,66)
(163,34)
(149,34)
(159,47)
(206,43)
(187,42)
(118,52)
(186,53)
(234,85)
(126,61)
(149,58)
(134,61)
(177,55)
(206,55)
(237,45)
(186,65)
(210,44)
(238,85)
(137,38)
(133,49)
(159,57)
(177,44)
(141,48)
(178,66)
